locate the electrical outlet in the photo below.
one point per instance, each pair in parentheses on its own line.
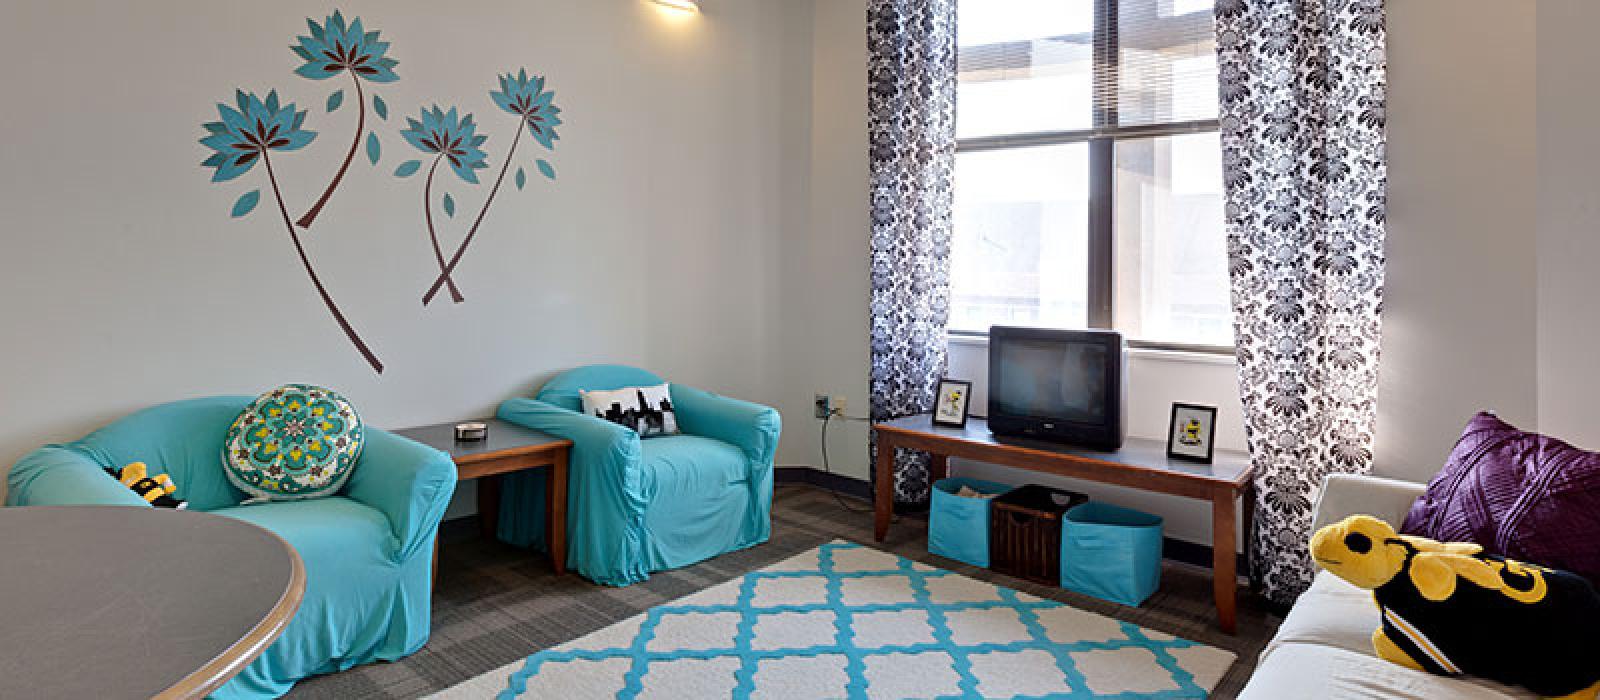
(824,406)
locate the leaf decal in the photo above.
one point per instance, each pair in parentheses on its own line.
(548,170)
(522,178)
(408,168)
(372,147)
(246,203)
(380,107)
(336,99)
(449,205)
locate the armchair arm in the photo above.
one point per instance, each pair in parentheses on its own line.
(1344,495)
(60,475)
(410,483)
(749,426)
(605,489)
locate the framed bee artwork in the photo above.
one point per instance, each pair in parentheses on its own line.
(1192,434)
(952,402)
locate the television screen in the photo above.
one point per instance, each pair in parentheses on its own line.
(1045,378)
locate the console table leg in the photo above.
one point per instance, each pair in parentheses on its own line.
(1224,559)
(1247,501)
(489,506)
(556,511)
(883,488)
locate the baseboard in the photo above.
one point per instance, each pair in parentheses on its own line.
(844,485)
(1182,551)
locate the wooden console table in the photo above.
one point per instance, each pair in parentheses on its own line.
(508,448)
(1140,464)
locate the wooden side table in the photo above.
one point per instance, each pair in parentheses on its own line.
(508,448)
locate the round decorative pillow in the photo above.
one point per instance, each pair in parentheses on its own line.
(296,441)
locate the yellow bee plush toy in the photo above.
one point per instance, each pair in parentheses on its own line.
(1448,608)
(156,490)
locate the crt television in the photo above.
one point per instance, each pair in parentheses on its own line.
(1062,385)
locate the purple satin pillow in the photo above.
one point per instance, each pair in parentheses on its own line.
(1521,495)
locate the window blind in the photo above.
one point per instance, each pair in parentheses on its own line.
(1042,66)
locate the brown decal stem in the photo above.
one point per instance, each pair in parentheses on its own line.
(316,281)
(361,125)
(427,212)
(444,276)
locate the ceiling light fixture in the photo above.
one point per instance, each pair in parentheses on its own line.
(685,5)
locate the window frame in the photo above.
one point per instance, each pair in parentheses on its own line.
(1101,138)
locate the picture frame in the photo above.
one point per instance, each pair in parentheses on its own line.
(1192,432)
(952,403)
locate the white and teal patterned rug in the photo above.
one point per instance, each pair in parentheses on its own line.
(847,621)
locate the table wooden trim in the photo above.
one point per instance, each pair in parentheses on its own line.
(1220,492)
(232,660)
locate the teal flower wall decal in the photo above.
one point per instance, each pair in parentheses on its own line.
(335,47)
(526,97)
(246,133)
(249,133)
(451,136)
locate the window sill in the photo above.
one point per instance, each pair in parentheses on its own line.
(1156,354)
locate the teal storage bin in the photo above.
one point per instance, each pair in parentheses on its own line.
(1111,553)
(958,526)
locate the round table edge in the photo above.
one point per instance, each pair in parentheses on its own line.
(232,660)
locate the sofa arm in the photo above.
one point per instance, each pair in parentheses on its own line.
(59,475)
(749,426)
(1344,495)
(410,483)
(584,431)
(605,490)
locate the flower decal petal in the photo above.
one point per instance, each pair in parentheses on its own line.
(525,96)
(334,47)
(452,136)
(245,133)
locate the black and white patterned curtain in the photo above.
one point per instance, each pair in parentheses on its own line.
(1302,111)
(911,127)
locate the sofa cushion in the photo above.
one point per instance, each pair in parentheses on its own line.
(1521,495)
(685,465)
(1315,671)
(297,441)
(1325,643)
(326,531)
(698,494)
(1333,613)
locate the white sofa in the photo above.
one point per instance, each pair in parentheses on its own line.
(1324,648)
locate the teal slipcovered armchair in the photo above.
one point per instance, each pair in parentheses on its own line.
(636,506)
(367,551)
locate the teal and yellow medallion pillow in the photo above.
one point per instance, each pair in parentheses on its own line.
(294,442)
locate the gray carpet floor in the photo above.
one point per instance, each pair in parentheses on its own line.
(495,604)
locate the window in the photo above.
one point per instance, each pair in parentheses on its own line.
(1088,183)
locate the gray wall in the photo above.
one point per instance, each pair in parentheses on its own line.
(126,283)
(1569,219)
(1460,313)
